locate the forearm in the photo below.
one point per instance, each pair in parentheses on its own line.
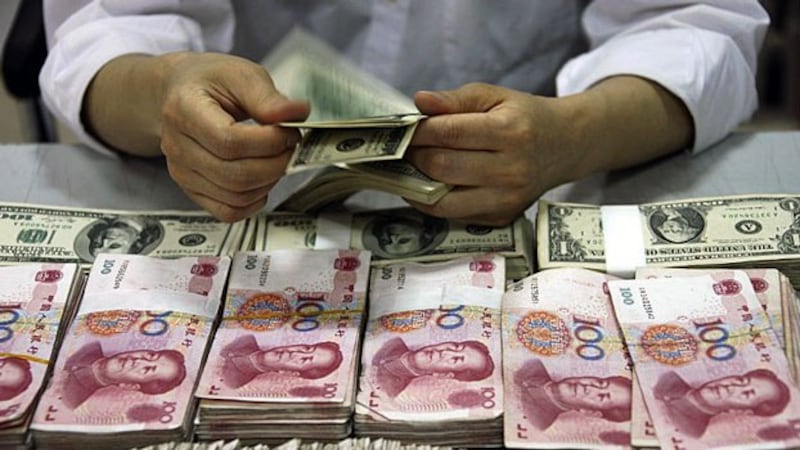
(623,121)
(122,104)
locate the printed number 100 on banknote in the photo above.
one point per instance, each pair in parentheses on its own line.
(709,364)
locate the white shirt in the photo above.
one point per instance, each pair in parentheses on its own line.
(703,52)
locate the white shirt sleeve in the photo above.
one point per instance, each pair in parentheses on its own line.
(704,53)
(101,30)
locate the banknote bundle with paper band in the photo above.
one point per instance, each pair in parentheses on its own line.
(41,233)
(738,231)
(33,298)
(431,358)
(129,363)
(397,235)
(285,357)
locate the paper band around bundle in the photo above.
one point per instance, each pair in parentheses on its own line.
(623,239)
(333,231)
(149,300)
(432,298)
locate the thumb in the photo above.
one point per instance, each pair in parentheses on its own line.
(252,95)
(279,109)
(473,97)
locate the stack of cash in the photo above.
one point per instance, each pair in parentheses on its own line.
(430,369)
(355,155)
(129,363)
(334,185)
(397,235)
(285,357)
(296,444)
(775,295)
(32,302)
(708,362)
(54,234)
(565,367)
(705,368)
(737,231)
(357,133)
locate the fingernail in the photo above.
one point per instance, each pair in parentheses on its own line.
(436,94)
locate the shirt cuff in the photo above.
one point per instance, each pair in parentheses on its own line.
(702,68)
(79,54)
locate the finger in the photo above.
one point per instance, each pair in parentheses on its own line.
(484,206)
(193,181)
(468,131)
(472,97)
(247,87)
(214,129)
(457,167)
(238,176)
(223,212)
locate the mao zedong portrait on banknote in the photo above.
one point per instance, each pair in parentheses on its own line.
(757,392)
(397,365)
(15,377)
(544,399)
(150,372)
(245,360)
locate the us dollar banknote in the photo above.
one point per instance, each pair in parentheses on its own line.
(334,184)
(305,67)
(358,130)
(326,146)
(399,234)
(736,231)
(35,233)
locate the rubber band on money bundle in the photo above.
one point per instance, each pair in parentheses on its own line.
(149,300)
(433,298)
(333,231)
(26,357)
(292,314)
(623,240)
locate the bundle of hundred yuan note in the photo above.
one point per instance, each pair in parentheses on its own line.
(284,360)
(127,367)
(431,360)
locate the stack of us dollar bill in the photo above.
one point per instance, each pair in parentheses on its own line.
(38,233)
(397,235)
(736,231)
(357,133)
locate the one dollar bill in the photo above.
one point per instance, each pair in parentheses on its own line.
(736,231)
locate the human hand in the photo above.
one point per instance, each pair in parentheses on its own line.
(500,148)
(224,164)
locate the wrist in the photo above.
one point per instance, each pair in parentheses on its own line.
(622,121)
(122,104)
